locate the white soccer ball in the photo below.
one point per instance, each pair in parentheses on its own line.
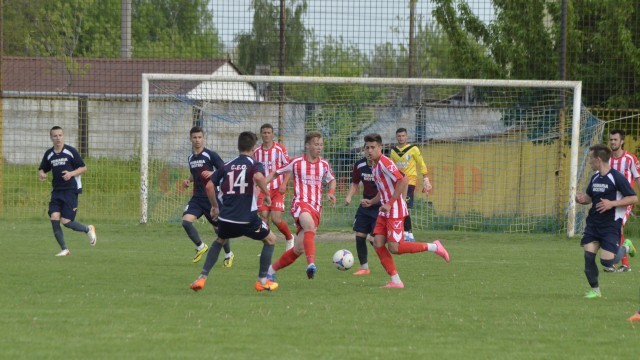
(343,259)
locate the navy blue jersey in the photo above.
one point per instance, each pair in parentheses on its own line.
(238,202)
(68,159)
(362,174)
(207,160)
(613,186)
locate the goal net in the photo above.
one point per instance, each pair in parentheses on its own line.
(502,156)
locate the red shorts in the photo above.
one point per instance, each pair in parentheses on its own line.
(393,229)
(299,208)
(277,201)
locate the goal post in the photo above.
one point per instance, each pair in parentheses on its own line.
(494,148)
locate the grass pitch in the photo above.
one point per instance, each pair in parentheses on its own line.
(503,296)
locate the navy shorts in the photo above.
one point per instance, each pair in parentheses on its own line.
(256,230)
(199,206)
(365,219)
(608,237)
(409,199)
(65,202)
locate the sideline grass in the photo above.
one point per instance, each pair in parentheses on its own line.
(503,296)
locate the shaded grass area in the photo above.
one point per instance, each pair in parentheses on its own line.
(503,296)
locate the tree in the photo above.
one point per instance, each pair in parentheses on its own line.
(262,44)
(91,28)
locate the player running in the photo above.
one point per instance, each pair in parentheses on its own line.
(274,156)
(309,171)
(237,211)
(365,219)
(389,227)
(202,163)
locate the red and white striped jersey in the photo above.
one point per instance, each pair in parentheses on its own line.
(307,180)
(272,159)
(627,164)
(386,176)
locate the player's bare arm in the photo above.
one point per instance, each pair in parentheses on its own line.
(285,181)
(67,175)
(401,188)
(426,184)
(582,198)
(332,192)
(187,182)
(352,190)
(259,180)
(42,176)
(605,204)
(369,202)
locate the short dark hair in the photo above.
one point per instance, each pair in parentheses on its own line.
(401,130)
(55,128)
(312,135)
(619,132)
(601,151)
(196,129)
(266,126)
(246,141)
(373,138)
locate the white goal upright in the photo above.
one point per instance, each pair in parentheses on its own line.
(502,155)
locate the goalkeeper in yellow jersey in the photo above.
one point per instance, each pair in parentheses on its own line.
(408,159)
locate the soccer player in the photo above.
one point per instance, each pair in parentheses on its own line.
(366,217)
(202,163)
(67,166)
(609,194)
(392,184)
(237,211)
(627,164)
(274,156)
(407,158)
(309,172)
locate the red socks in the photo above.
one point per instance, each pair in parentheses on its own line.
(285,260)
(284,229)
(310,246)
(387,261)
(411,247)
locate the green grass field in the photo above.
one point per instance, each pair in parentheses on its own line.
(503,296)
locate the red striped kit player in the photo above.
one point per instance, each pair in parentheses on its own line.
(389,228)
(309,172)
(274,156)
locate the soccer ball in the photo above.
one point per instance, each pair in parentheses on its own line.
(343,259)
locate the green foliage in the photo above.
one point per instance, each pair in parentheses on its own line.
(261,46)
(91,28)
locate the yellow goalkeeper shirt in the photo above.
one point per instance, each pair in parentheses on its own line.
(408,158)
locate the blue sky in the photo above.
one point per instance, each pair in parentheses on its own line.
(362,22)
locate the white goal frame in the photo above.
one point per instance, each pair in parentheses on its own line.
(575,86)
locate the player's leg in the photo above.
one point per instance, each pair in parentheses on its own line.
(291,255)
(379,241)
(309,223)
(624,266)
(209,263)
(68,216)
(408,230)
(591,246)
(54,217)
(397,245)
(228,254)
(363,225)
(260,231)
(192,212)
(276,209)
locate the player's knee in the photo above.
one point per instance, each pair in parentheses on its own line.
(589,257)
(186,224)
(270,239)
(606,262)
